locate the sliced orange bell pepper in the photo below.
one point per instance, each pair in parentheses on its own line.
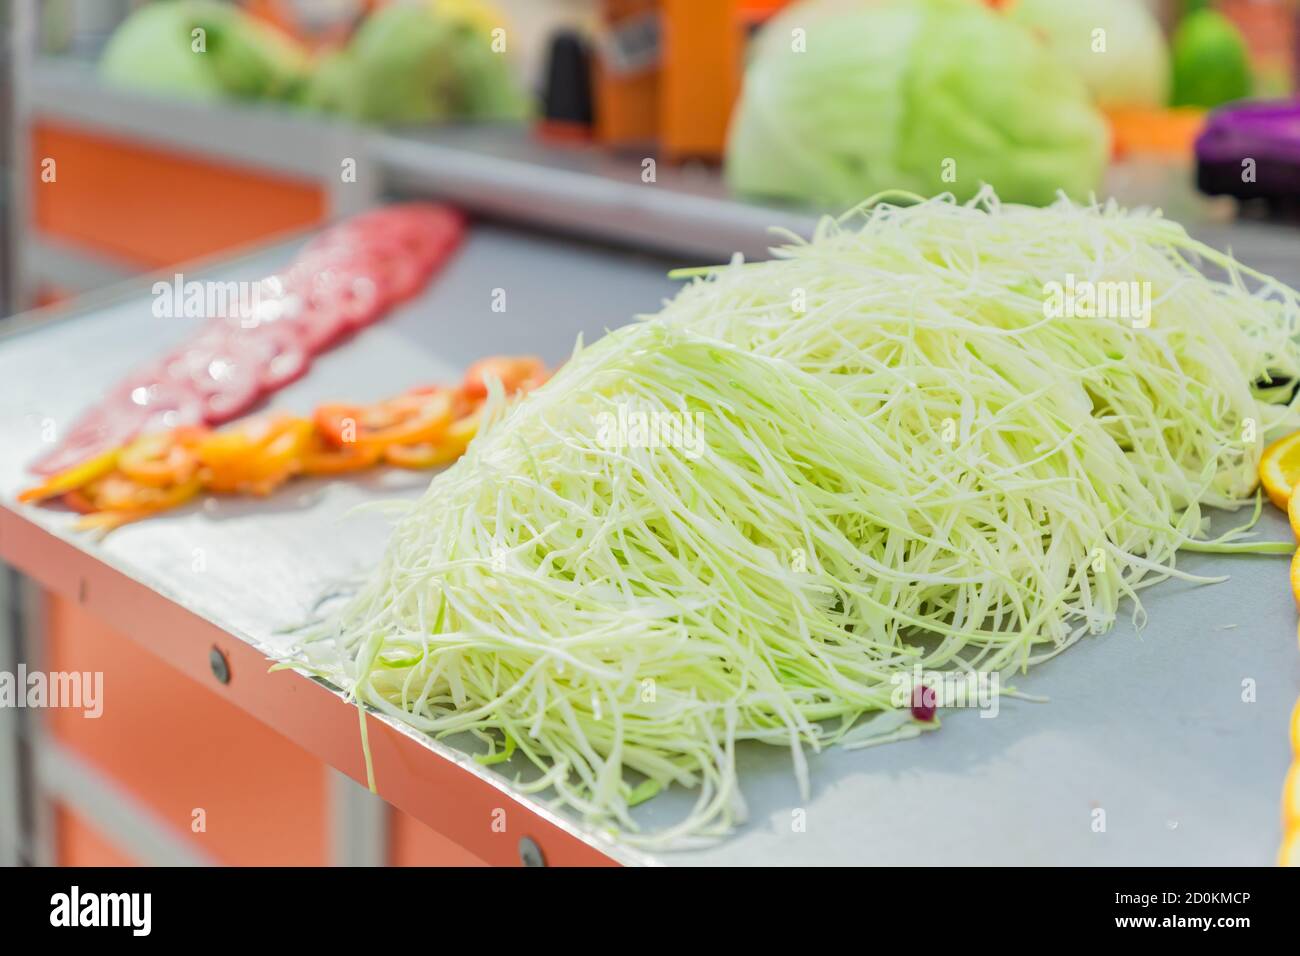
(518,373)
(433,454)
(323,458)
(406,419)
(461,403)
(73,478)
(423,455)
(156,501)
(117,493)
(77,500)
(256,457)
(167,458)
(423,428)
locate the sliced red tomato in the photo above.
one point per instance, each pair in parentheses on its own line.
(273,350)
(337,296)
(319,325)
(355,292)
(373,260)
(225,381)
(421,231)
(397,274)
(145,402)
(100,430)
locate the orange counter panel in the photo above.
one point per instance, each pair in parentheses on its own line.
(77,843)
(700,76)
(157,207)
(411,843)
(175,746)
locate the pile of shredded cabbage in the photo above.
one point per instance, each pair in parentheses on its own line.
(903,459)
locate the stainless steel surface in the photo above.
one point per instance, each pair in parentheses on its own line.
(1152,728)
(683,211)
(264,136)
(70,267)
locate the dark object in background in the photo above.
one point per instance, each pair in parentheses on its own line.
(568,113)
(1252,151)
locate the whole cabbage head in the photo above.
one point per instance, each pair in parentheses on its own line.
(842,100)
(1115,45)
(420,63)
(203,50)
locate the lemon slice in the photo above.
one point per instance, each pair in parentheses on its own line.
(1295,579)
(1295,730)
(1289,855)
(1291,798)
(1279,469)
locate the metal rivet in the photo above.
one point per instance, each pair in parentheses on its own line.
(530,854)
(81,591)
(220,666)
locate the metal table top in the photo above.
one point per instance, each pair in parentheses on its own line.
(1152,728)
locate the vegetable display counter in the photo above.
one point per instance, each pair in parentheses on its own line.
(1165,747)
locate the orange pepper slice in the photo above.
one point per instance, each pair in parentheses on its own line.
(77,500)
(163,459)
(406,420)
(517,373)
(433,454)
(73,478)
(423,428)
(423,455)
(256,457)
(117,493)
(322,458)
(108,519)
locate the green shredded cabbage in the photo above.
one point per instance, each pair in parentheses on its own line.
(902,458)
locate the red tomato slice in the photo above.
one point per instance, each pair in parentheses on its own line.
(420,231)
(273,350)
(146,402)
(371,261)
(99,430)
(400,274)
(355,292)
(320,325)
(225,381)
(158,405)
